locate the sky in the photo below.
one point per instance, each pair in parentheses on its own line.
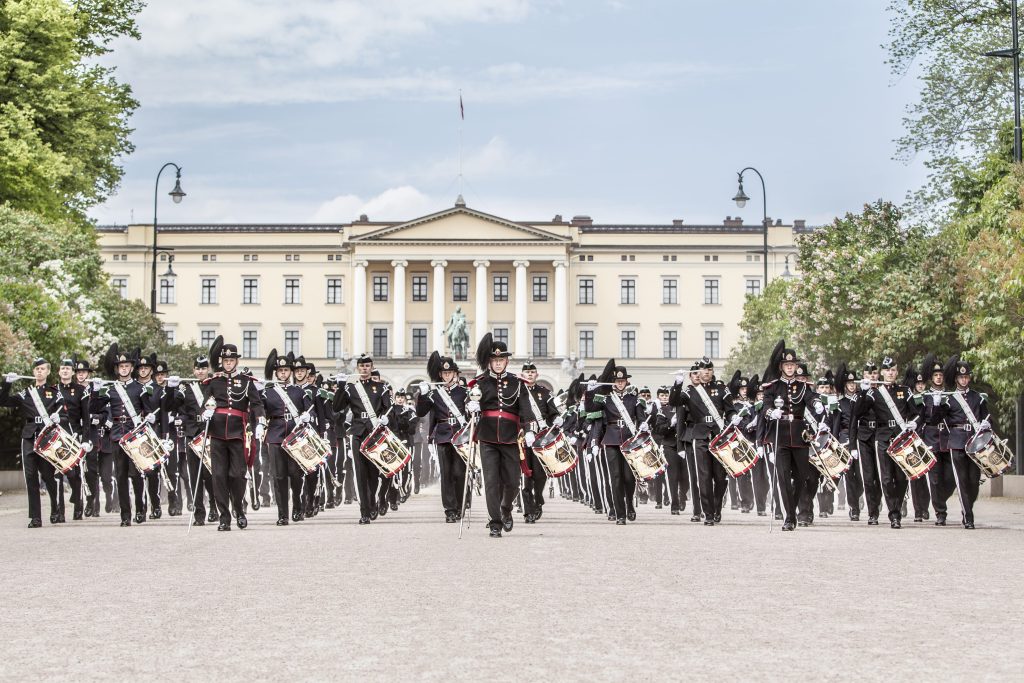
(629,111)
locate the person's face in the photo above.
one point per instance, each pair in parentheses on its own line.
(919,387)
(65,372)
(82,376)
(400,399)
(706,374)
(364,370)
(889,374)
(963,380)
(447,376)
(229,364)
(851,387)
(161,378)
(498,365)
(530,375)
(201,373)
(300,375)
(938,379)
(743,393)
(620,385)
(662,397)
(124,370)
(759,396)
(824,389)
(789,368)
(283,374)
(145,372)
(41,372)
(874,375)
(695,377)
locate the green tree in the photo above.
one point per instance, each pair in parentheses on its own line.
(766,319)
(63,117)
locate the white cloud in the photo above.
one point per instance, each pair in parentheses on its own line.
(397,203)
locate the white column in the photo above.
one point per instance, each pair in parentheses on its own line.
(521,348)
(359,307)
(561,310)
(437,333)
(480,325)
(398,347)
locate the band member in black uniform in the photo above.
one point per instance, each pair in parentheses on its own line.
(40,407)
(546,414)
(708,405)
(786,400)
(624,415)
(593,431)
(188,402)
(963,423)
(739,390)
(504,408)
(444,403)
(152,398)
(287,406)
(404,421)
(354,395)
(677,479)
(920,488)
(889,404)
(684,430)
(125,412)
(933,430)
(846,387)
(73,412)
(235,396)
(863,440)
(94,432)
(826,496)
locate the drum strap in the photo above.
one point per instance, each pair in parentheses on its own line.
(447,399)
(811,422)
(892,407)
(712,410)
(38,401)
(129,406)
(198,394)
(536,411)
(367,408)
(620,406)
(958,396)
(293,412)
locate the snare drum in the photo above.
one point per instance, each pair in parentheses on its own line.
(554,453)
(829,456)
(644,456)
(989,453)
(59,448)
(911,453)
(306,447)
(462,444)
(201,447)
(736,454)
(386,451)
(144,449)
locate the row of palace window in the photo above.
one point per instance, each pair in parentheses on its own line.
(460,289)
(539,347)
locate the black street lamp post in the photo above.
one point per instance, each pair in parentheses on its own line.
(177,194)
(741,200)
(1014,54)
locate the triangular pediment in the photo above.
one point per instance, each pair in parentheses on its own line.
(459,224)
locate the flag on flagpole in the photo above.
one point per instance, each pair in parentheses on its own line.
(462,110)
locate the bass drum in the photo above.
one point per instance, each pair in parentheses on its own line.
(736,454)
(911,453)
(644,456)
(554,453)
(386,451)
(989,453)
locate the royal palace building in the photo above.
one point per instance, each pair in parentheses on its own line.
(567,293)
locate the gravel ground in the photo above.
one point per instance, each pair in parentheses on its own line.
(570,598)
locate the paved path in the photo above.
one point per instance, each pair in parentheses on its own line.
(570,598)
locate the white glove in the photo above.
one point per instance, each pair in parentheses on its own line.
(588,455)
(776,414)
(853,454)
(936,399)
(108,424)
(11,377)
(680,377)
(592,385)
(97,383)
(771,456)
(383,420)
(168,445)
(760,452)
(912,424)
(557,422)
(151,418)
(473,406)
(260,432)
(529,439)
(303,418)
(573,440)
(736,419)
(258,383)
(818,408)
(208,414)
(173,381)
(644,427)
(865,384)
(55,417)
(983,425)
(822,427)
(87,446)
(753,423)
(424,388)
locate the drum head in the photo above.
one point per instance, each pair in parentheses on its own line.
(822,440)
(547,437)
(980,442)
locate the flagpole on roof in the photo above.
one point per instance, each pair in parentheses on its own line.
(462,118)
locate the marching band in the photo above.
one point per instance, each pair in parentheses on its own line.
(780,445)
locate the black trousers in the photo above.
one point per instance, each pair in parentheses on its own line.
(500,463)
(677,476)
(760,483)
(36,466)
(288,478)
(734,492)
(854,485)
(533,486)
(920,496)
(596,488)
(365,482)
(826,498)
(200,478)
(74,477)
(623,482)
(943,482)
(686,452)
(805,501)
(968,477)
(870,477)
(713,479)
(229,469)
(453,478)
(894,481)
(126,470)
(793,471)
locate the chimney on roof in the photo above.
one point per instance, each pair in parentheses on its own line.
(677,221)
(557,218)
(582,220)
(799,223)
(363,218)
(778,221)
(731,222)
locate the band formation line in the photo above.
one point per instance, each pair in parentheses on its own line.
(779,443)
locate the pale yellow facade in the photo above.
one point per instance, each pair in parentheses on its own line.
(653,296)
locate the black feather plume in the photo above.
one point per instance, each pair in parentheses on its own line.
(949,371)
(434,367)
(771,373)
(215,348)
(268,369)
(608,374)
(483,351)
